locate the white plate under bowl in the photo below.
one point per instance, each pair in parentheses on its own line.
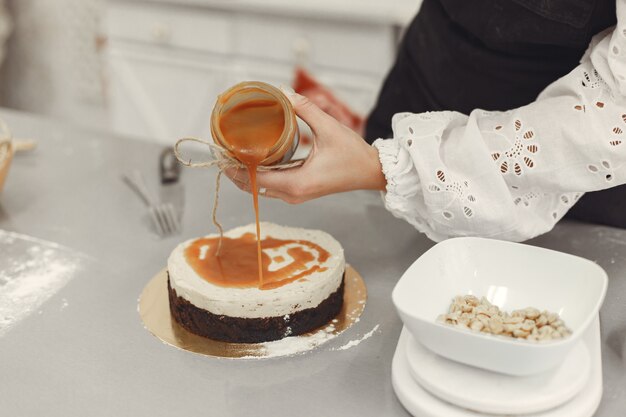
(495,393)
(419,402)
(511,276)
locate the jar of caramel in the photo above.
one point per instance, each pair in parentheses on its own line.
(256,123)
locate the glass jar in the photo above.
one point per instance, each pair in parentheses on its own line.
(284,148)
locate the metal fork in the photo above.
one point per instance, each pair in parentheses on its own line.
(163,216)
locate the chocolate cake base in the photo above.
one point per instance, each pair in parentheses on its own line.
(252,330)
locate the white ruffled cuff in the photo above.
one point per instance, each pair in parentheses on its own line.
(402,179)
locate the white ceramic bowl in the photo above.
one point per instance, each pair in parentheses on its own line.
(511,276)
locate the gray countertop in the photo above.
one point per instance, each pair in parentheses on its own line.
(85,351)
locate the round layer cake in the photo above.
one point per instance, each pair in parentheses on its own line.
(216,296)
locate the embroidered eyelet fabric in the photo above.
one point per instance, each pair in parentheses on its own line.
(513,174)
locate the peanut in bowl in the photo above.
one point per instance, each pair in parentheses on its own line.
(478,314)
(511,277)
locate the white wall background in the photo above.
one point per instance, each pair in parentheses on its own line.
(56,59)
(54,65)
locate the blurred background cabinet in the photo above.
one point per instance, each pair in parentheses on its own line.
(168,60)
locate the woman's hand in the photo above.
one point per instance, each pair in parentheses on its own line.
(340,160)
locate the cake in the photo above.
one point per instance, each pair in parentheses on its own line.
(221,297)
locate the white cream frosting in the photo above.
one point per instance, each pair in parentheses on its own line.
(307,292)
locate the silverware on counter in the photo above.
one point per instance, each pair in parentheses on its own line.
(169,167)
(172,190)
(163,215)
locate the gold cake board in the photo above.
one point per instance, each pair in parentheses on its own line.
(154,310)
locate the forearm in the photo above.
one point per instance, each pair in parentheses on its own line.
(511,175)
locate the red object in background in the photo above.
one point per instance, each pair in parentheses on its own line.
(304,84)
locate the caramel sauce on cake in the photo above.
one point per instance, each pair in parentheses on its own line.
(220,296)
(252,129)
(237,264)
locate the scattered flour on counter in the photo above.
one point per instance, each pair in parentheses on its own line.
(296,344)
(355,342)
(300,344)
(31,271)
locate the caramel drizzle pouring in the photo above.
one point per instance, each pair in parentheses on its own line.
(252,129)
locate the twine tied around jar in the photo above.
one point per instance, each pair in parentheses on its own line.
(6,151)
(222,159)
(5,141)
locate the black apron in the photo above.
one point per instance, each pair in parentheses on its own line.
(494,55)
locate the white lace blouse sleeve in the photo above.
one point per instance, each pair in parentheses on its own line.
(512,175)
